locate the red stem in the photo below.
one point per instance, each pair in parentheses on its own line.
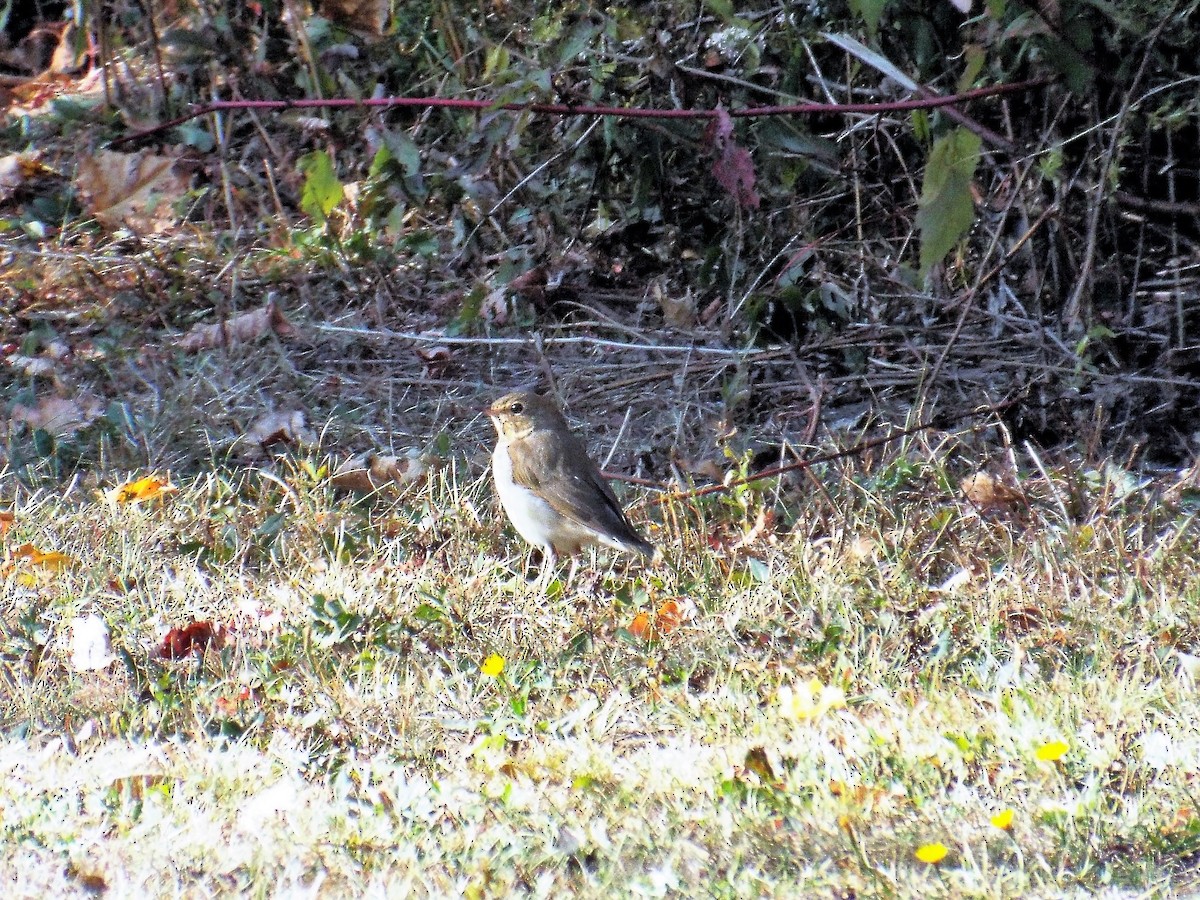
(562,109)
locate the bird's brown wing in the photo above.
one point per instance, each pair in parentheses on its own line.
(557,467)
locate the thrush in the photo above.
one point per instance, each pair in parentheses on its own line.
(552,492)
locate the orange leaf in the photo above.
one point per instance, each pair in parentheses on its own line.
(641,627)
(143,489)
(51,559)
(669,617)
(6,522)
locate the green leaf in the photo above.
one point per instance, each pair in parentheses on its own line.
(322,191)
(946,209)
(974,56)
(723,9)
(870,11)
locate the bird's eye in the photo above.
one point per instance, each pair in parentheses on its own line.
(517,408)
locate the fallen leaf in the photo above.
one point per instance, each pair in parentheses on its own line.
(281,428)
(705,467)
(132,190)
(438,360)
(669,616)
(367,17)
(267,319)
(369,472)
(641,627)
(59,416)
(91,647)
(194,637)
(17,170)
(6,522)
(989,493)
(147,488)
(678,310)
(51,560)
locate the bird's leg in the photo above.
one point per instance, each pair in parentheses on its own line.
(571,571)
(548,563)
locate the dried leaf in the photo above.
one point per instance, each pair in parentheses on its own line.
(669,616)
(134,190)
(679,311)
(31,366)
(6,522)
(194,637)
(989,493)
(16,170)
(706,467)
(91,646)
(364,16)
(241,329)
(281,428)
(369,472)
(438,360)
(60,416)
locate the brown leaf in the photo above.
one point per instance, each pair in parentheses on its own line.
(438,360)
(194,637)
(239,330)
(989,493)
(367,17)
(134,190)
(369,472)
(706,467)
(60,416)
(679,310)
(16,170)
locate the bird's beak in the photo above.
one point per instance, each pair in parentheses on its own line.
(488,411)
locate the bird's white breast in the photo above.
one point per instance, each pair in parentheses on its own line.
(534,518)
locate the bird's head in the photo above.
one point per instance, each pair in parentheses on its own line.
(519,414)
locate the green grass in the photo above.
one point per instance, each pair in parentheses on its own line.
(343,740)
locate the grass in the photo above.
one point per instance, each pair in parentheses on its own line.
(344,741)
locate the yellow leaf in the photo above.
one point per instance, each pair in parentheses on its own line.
(809,700)
(1053,751)
(932,853)
(1003,819)
(143,489)
(493,665)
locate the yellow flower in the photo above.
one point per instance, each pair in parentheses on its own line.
(1003,819)
(809,700)
(1053,751)
(493,665)
(932,853)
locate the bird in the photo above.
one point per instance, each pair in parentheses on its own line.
(551,490)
